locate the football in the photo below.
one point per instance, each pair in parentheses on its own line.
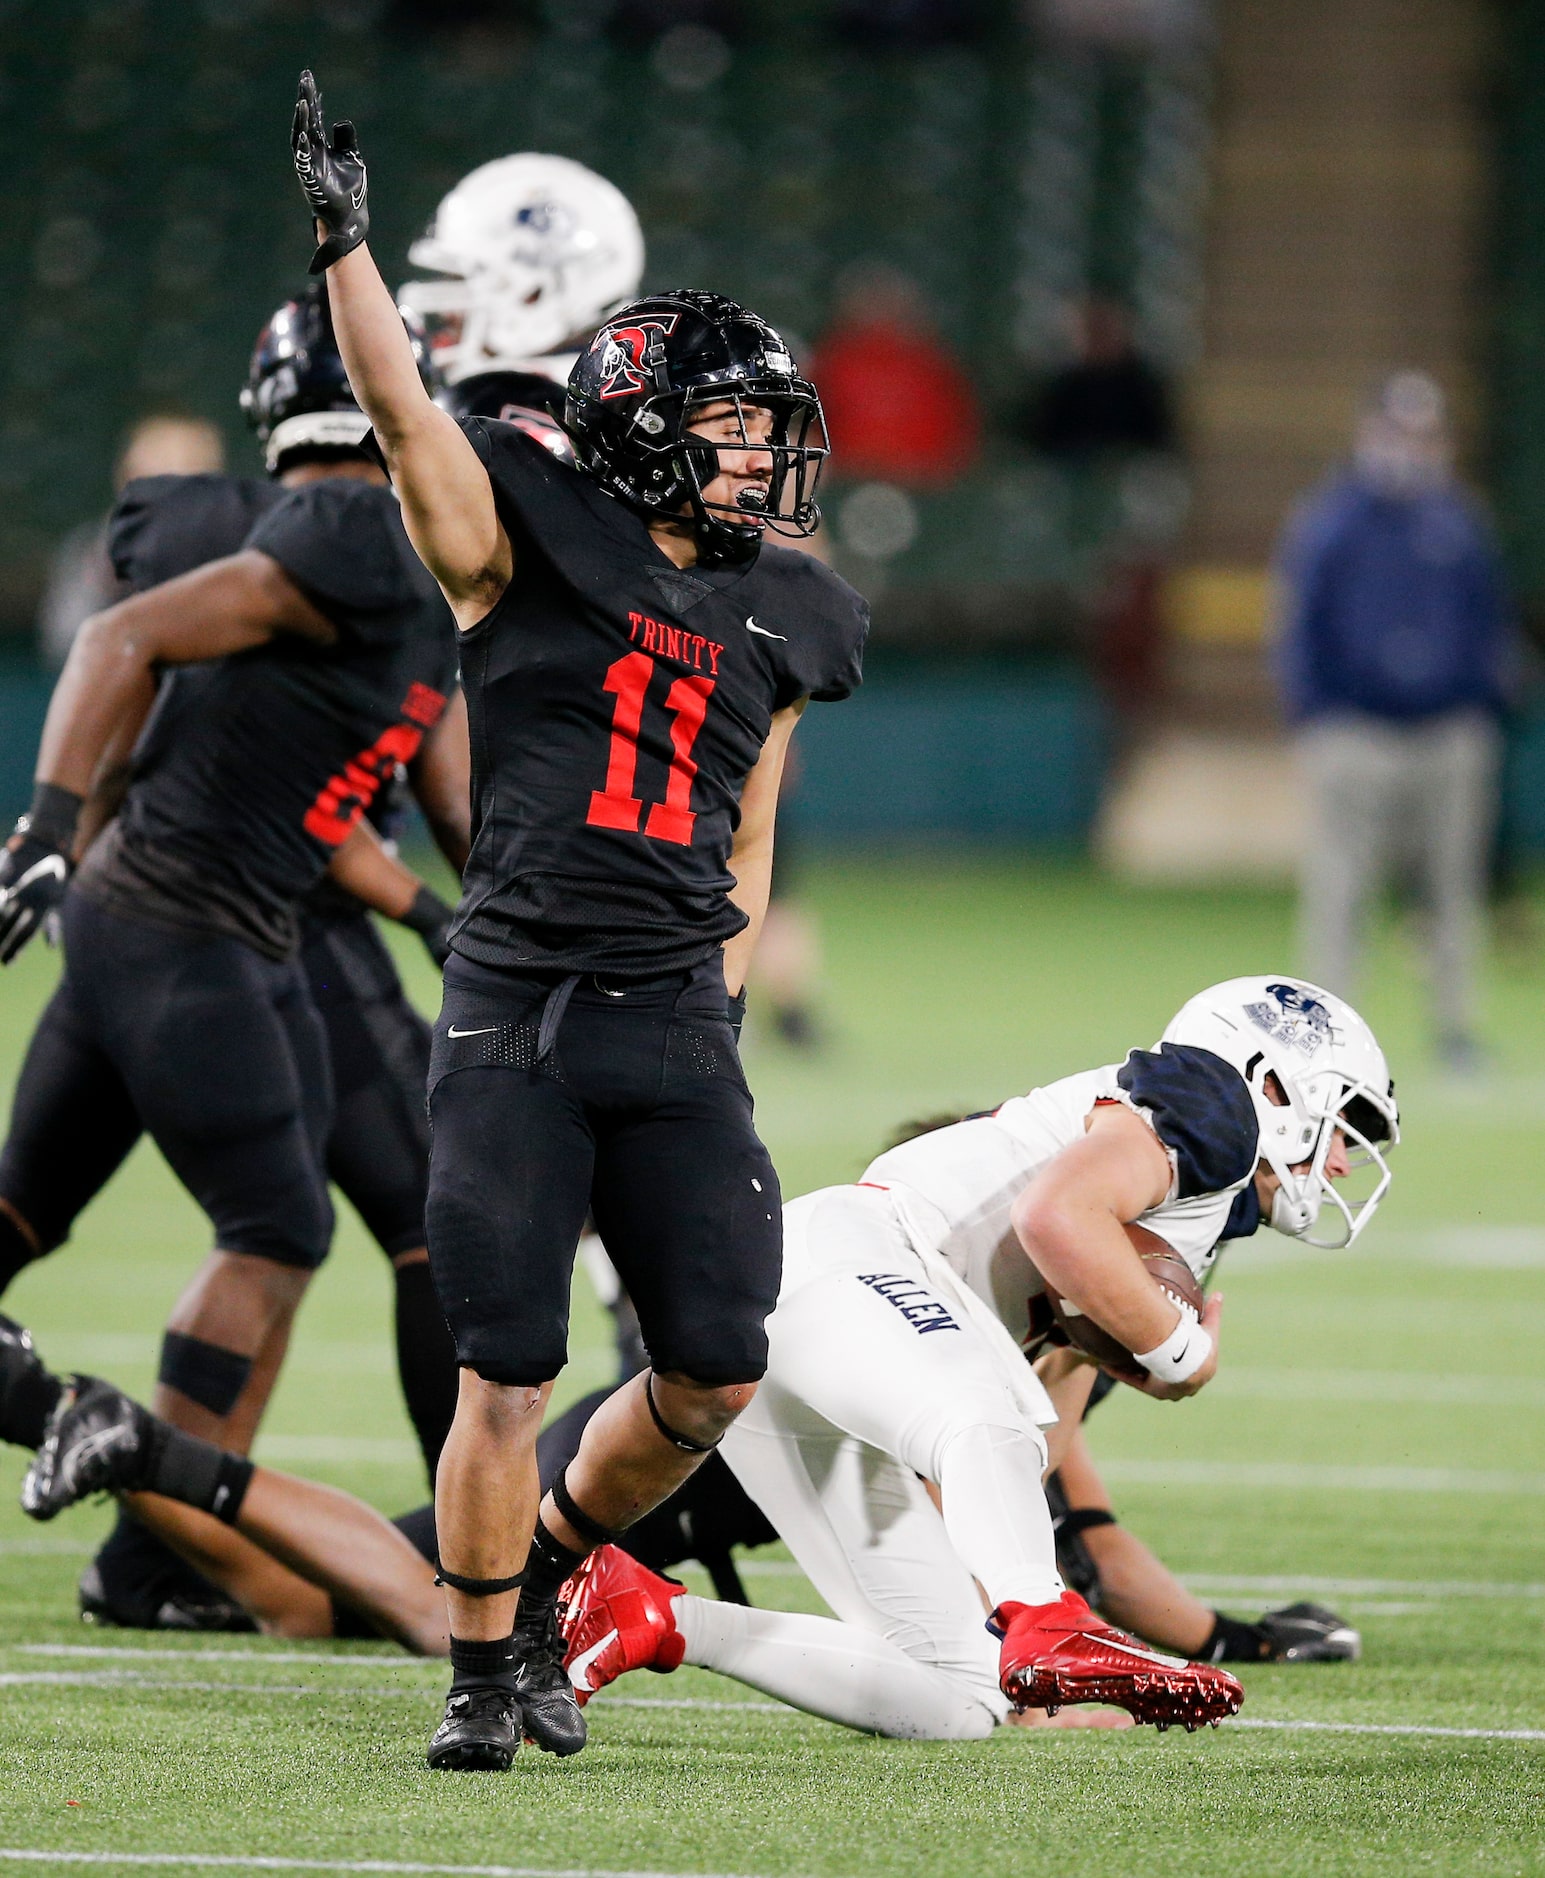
(1167,1270)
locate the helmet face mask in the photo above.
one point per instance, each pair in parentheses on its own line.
(1306,1194)
(1297,1042)
(653,377)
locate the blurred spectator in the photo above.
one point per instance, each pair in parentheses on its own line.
(81,580)
(899,408)
(1394,661)
(1108,400)
(1105,410)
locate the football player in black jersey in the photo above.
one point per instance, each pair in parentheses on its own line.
(635,660)
(327,659)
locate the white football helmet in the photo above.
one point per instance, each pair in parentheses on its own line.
(1329,1066)
(529,255)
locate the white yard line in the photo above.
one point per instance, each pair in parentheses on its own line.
(126,1680)
(19,1855)
(317,1659)
(1304,1474)
(1390,1728)
(1393,1387)
(1360,1587)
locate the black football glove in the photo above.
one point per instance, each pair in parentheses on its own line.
(332,173)
(431,918)
(35,867)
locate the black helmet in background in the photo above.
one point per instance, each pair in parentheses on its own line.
(530,401)
(297,395)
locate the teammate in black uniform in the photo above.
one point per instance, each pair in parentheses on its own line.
(635,661)
(183,999)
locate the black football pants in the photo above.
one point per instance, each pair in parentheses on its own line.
(214,1050)
(627,1101)
(73,1122)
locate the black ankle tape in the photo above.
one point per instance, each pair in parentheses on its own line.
(477,1587)
(590,1530)
(676,1440)
(203,1372)
(1081,1518)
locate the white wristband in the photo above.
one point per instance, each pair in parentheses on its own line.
(1181,1354)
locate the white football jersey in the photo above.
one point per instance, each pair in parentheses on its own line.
(955,1188)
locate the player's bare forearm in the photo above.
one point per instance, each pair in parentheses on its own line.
(441,779)
(751,858)
(1068,1377)
(103,692)
(1137,1590)
(447,499)
(364,867)
(1071,1217)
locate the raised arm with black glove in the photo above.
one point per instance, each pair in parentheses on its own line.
(332,173)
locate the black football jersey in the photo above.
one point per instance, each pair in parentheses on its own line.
(617,703)
(256,767)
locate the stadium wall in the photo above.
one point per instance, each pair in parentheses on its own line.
(1008,752)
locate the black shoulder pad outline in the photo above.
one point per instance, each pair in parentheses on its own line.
(1201,1108)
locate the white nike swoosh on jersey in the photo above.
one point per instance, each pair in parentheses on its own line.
(582,1662)
(486,1031)
(762,632)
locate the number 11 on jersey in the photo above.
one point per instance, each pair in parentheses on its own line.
(686,704)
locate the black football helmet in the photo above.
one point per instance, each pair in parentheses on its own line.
(528,400)
(297,396)
(644,380)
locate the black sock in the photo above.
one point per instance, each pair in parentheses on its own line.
(1234,1641)
(482,1663)
(26,1402)
(547,1565)
(426,1360)
(187,1468)
(16,1250)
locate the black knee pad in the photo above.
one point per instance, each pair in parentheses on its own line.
(203,1372)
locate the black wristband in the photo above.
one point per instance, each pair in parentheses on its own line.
(1234,1641)
(428,913)
(53,816)
(737,1008)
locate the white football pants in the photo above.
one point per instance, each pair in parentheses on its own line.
(884,1374)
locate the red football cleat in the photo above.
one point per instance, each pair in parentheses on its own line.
(1062,1652)
(616,1615)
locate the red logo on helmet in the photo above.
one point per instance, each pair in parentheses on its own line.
(622,350)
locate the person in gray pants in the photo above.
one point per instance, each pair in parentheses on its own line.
(1394,661)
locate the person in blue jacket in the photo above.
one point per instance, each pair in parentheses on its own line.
(1394,660)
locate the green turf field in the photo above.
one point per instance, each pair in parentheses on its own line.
(1376,1439)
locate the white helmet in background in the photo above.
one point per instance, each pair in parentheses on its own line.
(530,253)
(1328,1065)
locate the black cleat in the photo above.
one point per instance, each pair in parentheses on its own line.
(97,1441)
(157,1607)
(1308,1633)
(552,1716)
(25,1385)
(480,1732)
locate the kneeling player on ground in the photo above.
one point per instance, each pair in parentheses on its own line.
(911,1658)
(897,1359)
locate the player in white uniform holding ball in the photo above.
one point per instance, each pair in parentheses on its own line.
(898,1364)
